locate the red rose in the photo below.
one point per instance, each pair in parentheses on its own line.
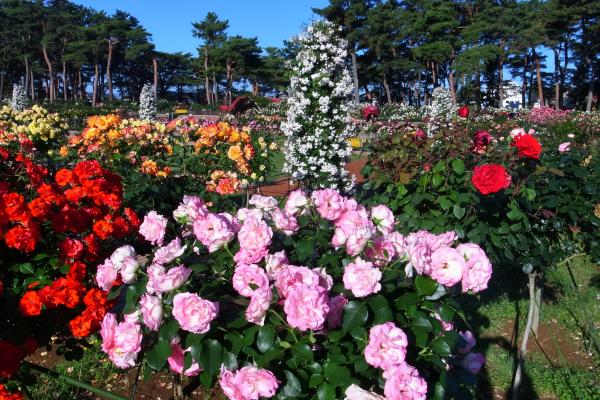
(71,248)
(39,208)
(463,112)
(77,271)
(23,238)
(30,304)
(490,178)
(370,112)
(63,177)
(419,136)
(481,140)
(527,146)
(103,229)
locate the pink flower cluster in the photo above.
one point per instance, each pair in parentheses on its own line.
(121,341)
(248,383)
(547,115)
(387,350)
(193,313)
(153,228)
(123,261)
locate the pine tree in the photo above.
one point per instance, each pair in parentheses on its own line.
(147,103)
(19,99)
(318,121)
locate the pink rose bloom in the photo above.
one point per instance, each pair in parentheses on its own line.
(404,383)
(132,317)
(361,278)
(478,269)
(106,275)
(350,204)
(419,256)
(296,203)
(249,278)
(177,361)
(564,147)
(382,252)
(107,331)
(447,266)
(444,239)
(470,342)
(248,383)
(129,269)
(153,228)
(246,257)
(473,362)
(356,228)
(306,307)
(336,311)
(386,347)
(259,305)
(291,275)
(234,224)
(265,203)
(325,280)
(190,209)
(329,203)
(193,313)
(254,235)
(284,222)
(160,281)
(383,218)
(517,132)
(398,241)
(127,340)
(244,213)
(213,231)
(119,256)
(275,263)
(170,252)
(152,311)
(354,392)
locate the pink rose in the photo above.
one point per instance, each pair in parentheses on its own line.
(177,361)
(286,223)
(291,275)
(478,269)
(386,347)
(447,266)
(469,340)
(517,132)
(329,203)
(248,383)
(170,252)
(249,278)
(399,243)
(259,305)
(564,147)
(354,229)
(153,228)
(129,269)
(193,313)
(254,235)
(325,280)
(296,203)
(244,213)
(213,231)
(106,275)
(190,209)
(107,331)
(336,311)
(382,252)
(306,307)
(265,203)
(361,278)
(473,362)
(419,256)
(404,383)
(160,281)
(383,218)
(152,311)
(119,256)
(354,392)
(246,257)
(275,263)
(133,317)
(122,342)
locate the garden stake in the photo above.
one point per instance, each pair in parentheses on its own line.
(71,381)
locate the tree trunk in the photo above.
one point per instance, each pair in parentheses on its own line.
(501,82)
(229,79)
(451,81)
(26,74)
(538,73)
(32,86)
(155,71)
(64,73)
(108,72)
(95,85)
(563,70)
(524,84)
(556,79)
(2,85)
(386,86)
(355,76)
(206,79)
(433,75)
(81,90)
(590,96)
(50,74)
(215,89)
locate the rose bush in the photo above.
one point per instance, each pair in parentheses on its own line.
(333,297)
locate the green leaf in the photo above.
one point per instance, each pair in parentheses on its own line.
(381,309)
(437,180)
(26,268)
(458,211)
(326,392)
(157,356)
(292,386)
(458,166)
(266,335)
(303,352)
(315,380)
(211,356)
(305,249)
(445,203)
(193,339)
(425,285)
(130,300)
(114,292)
(230,360)
(421,335)
(355,315)
(440,347)
(422,321)
(169,330)
(336,374)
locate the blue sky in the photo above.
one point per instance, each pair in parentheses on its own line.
(169,22)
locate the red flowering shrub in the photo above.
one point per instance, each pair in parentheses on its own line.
(490,178)
(527,146)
